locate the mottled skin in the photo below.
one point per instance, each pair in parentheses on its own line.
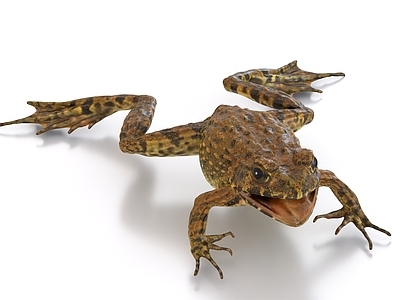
(249,157)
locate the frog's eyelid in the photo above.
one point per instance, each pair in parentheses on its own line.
(314,164)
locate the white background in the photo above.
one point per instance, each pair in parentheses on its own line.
(81,220)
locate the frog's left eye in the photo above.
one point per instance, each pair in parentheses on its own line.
(314,164)
(258,173)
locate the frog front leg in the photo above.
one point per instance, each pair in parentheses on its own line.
(200,243)
(351,210)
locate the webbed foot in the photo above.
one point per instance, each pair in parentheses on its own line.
(76,113)
(201,247)
(355,216)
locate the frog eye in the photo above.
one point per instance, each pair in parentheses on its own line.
(258,173)
(314,164)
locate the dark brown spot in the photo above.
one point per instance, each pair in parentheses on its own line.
(196,127)
(265,72)
(234,87)
(341,193)
(170,150)
(278,103)
(143,145)
(234,201)
(86,110)
(256,80)
(88,101)
(255,94)
(143,129)
(120,99)
(174,137)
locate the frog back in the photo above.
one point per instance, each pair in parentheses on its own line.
(236,138)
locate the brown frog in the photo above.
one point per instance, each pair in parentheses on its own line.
(249,157)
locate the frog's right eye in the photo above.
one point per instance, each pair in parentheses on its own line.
(258,173)
(314,164)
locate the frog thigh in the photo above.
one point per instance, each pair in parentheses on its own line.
(181,140)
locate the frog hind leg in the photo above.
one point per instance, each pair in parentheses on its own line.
(275,88)
(180,140)
(78,113)
(200,243)
(351,210)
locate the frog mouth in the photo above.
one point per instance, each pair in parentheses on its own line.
(292,212)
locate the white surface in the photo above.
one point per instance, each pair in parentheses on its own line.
(81,220)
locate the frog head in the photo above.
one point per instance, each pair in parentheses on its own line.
(283,187)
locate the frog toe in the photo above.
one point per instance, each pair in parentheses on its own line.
(201,248)
(362,227)
(212,261)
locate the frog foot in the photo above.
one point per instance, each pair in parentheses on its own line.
(201,247)
(355,216)
(76,113)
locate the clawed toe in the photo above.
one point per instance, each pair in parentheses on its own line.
(201,247)
(357,217)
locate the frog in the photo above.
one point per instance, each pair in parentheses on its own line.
(250,158)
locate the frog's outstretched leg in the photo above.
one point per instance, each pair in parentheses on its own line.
(181,140)
(78,113)
(275,88)
(351,210)
(200,243)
